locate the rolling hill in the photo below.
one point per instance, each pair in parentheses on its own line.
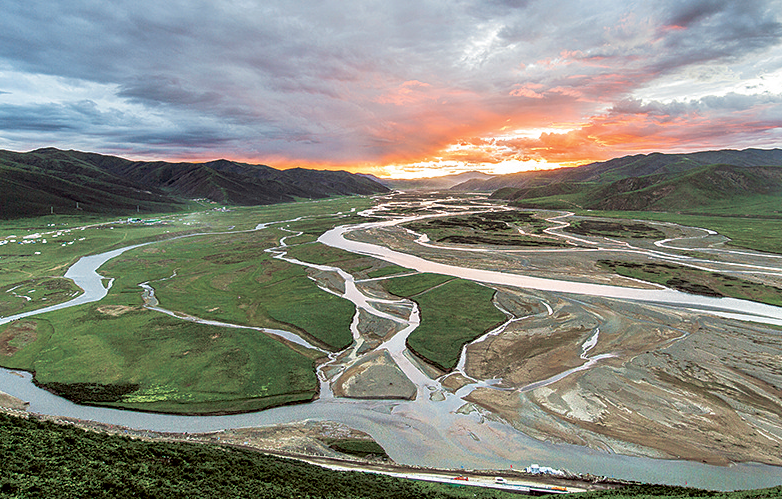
(433,183)
(641,165)
(45,180)
(741,182)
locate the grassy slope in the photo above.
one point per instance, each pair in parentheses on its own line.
(37,182)
(453,313)
(42,459)
(713,189)
(46,179)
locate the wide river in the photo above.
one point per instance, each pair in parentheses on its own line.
(425,432)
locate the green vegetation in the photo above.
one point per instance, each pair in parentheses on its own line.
(645,491)
(41,254)
(95,352)
(69,182)
(494,228)
(413,285)
(244,285)
(325,255)
(120,355)
(696,281)
(614,229)
(713,182)
(37,293)
(453,313)
(388,270)
(359,448)
(86,393)
(758,233)
(42,459)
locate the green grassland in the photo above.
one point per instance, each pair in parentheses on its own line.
(115,352)
(320,254)
(409,286)
(453,313)
(759,232)
(175,366)
(230,278)
(36,293)
(21,266)
(494,228)
(358,447)
(631,230)
(696,281)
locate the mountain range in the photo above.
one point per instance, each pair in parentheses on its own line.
(720,180)
(432,183)
(52,180)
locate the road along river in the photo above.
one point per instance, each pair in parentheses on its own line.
(442,432)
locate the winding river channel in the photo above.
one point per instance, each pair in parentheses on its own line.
(428,431)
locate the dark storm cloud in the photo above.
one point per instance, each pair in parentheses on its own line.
(161,89)
(77,116)
(708,30)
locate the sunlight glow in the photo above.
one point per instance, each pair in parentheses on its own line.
(431,169)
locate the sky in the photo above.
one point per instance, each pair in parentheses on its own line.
(395,88)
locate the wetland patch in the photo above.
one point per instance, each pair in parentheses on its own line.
(497,228)
(696,281)
(619,229)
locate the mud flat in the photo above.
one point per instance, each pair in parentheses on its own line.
(678,385)
(11,402)
(619,375)
(375,376)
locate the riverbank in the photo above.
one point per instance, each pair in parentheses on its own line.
(309,441)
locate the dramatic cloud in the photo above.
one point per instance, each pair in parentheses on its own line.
(390,86)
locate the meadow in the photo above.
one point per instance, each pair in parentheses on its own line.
(697,281)
(453,313)
(493,228)
(757,230)
(117,353)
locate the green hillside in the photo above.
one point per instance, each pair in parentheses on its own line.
(715,189)
(39,184)
(41,459)
(641,165)
(67,182)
